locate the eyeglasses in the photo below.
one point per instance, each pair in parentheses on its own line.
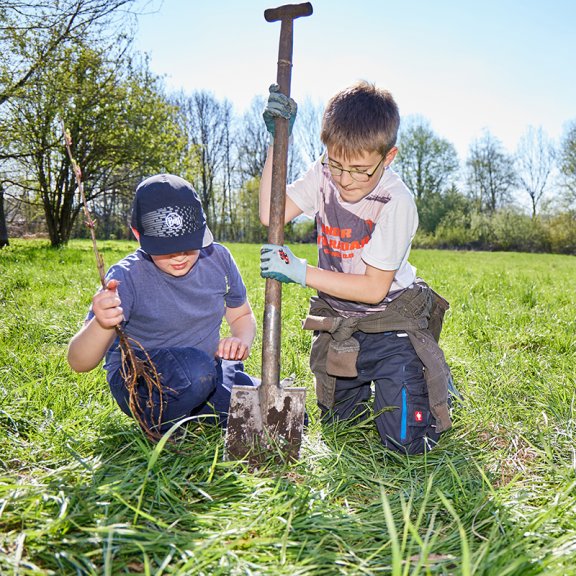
(357,175)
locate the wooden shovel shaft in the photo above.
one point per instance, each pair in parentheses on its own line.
(271,336)
(272,331)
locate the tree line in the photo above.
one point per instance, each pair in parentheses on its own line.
(72,64)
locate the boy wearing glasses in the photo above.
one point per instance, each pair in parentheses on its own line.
(375,323)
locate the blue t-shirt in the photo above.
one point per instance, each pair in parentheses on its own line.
(164,311)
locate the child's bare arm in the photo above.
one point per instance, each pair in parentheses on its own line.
(243,328)
(370,288)
(90,344)
(279,263)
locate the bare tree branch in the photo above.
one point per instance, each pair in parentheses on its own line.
(535,158)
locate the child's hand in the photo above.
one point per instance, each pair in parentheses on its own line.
(279,263)
(279,106)
(106,306)
(232,348)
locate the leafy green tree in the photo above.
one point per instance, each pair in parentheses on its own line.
(121,126)
(438,208)
(426,162)
(32,31)
(429,166)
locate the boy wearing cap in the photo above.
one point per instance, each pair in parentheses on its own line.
(171,295)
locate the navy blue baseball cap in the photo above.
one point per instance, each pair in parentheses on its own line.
(168,216)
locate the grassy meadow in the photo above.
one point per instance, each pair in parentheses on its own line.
(83,492)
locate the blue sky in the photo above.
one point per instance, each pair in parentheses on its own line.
(465,66)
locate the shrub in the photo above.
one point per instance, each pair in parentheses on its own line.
(562,233)
(514,231)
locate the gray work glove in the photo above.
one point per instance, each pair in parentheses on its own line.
(279,263)
(279,106)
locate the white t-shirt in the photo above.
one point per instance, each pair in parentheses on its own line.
(378,230)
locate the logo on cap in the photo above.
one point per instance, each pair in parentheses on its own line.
(173,221)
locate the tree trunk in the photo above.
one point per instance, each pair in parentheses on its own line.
(3,227)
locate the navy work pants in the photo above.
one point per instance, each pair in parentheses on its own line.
(389,362)
(193,384)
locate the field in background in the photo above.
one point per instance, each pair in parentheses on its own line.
(82,492)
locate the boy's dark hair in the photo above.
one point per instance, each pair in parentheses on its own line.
(361,118)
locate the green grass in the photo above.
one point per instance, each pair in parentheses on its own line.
(83,492)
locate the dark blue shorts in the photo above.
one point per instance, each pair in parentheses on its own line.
(388,363)
(193,384)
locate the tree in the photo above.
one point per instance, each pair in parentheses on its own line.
(428,165)
(227,214)
(426,162)
(307,130)
(252,144)
(491,174)
(3,227)
(250,228)
(535,157)
(120,123)
(206,123)
(567,157)
(32,31)
(252,141)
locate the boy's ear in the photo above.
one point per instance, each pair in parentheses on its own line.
(391,155)
(135,232)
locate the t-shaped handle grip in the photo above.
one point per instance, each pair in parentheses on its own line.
(286,14)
